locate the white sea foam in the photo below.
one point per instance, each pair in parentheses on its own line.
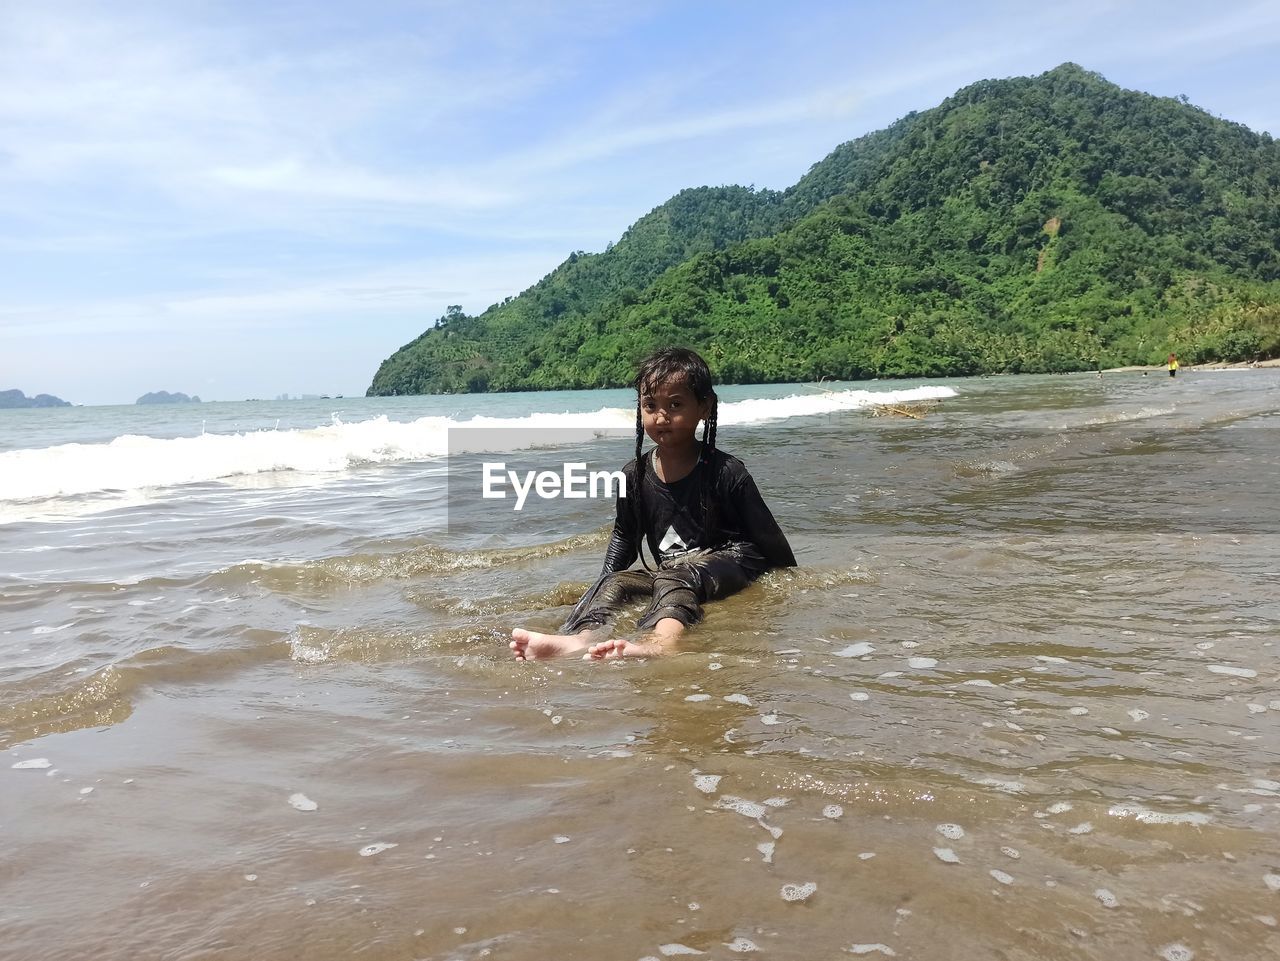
(871,949)
(1008,787)
(132,463)
(922,662)
(738,699)
(52,629)
(946,855)
(798,892)
(707,783)
(1106,898)
(1001,876)
(302,803)
(741,945)
(861,649)
(1145,815)
(369,850)
(833,811)
(952,832)
(766,849)
(33,764)
(741,806)
(1232,671)
(670,950)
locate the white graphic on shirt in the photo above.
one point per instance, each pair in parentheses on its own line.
(671,541)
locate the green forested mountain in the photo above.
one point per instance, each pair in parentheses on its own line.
(1035,224)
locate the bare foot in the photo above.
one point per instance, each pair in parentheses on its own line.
(606,650)
(617,647)
(532,646)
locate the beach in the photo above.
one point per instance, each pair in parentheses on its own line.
(1019,699)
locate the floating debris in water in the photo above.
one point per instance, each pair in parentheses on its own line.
(946,855)
(866,855)
(1272,881)
(859,696)
(302,803)
(562,839)
(798,892)
(1001,877)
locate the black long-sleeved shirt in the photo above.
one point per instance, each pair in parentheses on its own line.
(674,522)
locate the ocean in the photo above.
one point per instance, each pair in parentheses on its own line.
(1019,700)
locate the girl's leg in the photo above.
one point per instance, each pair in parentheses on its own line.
(588,623)
(663,639)
(679,589)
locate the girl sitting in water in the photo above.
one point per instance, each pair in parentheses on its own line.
(707,527)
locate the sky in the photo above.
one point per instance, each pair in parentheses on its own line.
(246,199)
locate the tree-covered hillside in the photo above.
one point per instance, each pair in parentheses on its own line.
(1035,224)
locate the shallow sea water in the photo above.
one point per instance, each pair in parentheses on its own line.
(1020,701)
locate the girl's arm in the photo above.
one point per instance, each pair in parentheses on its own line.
(624,542)
(759,526)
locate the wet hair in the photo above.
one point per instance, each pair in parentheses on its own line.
(683,366)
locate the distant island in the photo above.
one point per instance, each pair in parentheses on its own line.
(16,398)
(164,397)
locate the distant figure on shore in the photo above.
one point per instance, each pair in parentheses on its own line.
(1173,365)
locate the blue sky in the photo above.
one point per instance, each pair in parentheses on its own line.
(246,199)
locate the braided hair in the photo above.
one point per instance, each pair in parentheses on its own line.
(655,370)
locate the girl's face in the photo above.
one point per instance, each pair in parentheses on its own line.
(670,415)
